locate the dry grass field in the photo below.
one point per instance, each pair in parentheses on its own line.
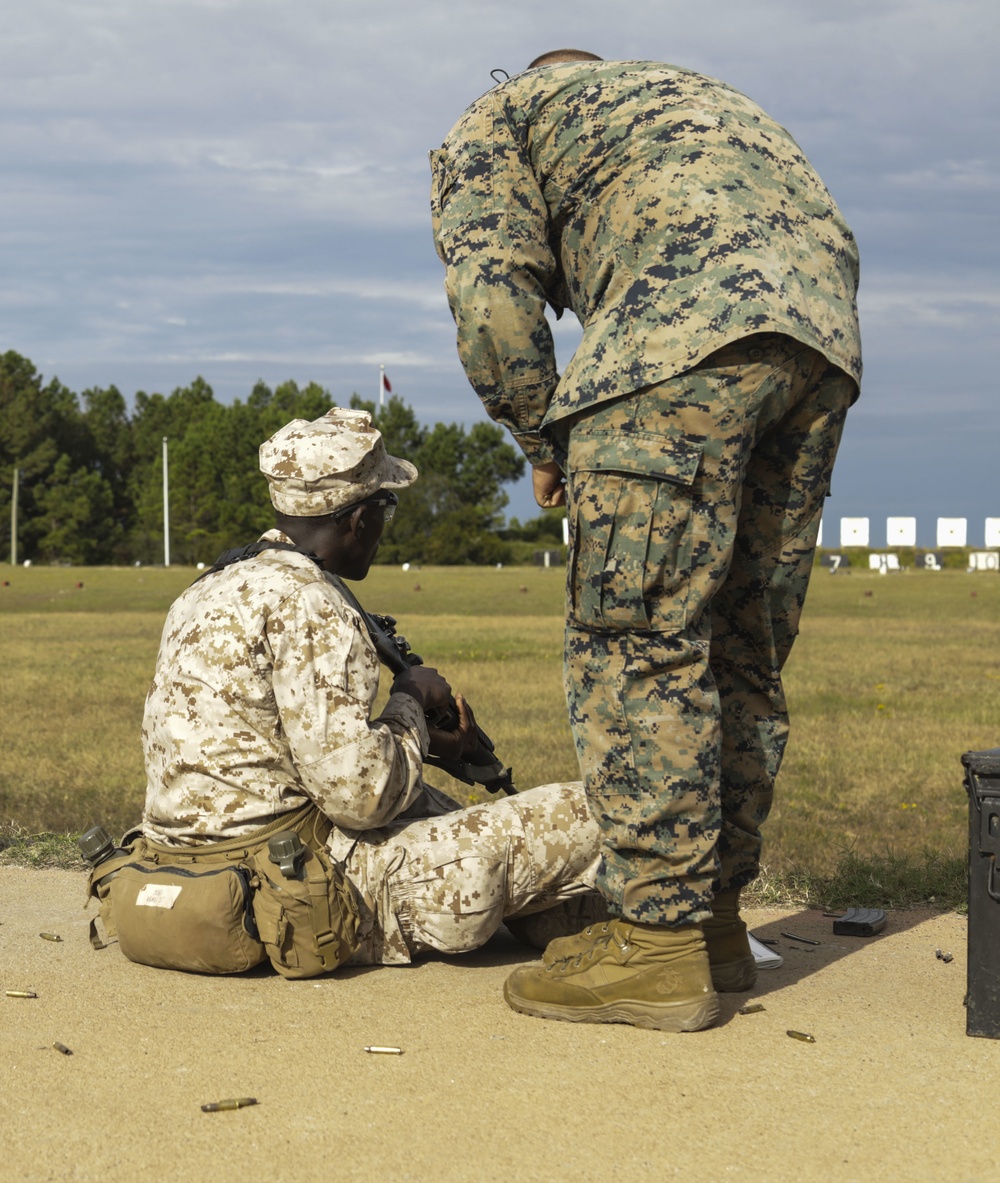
(891,680)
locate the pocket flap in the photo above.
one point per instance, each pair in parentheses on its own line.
(271,922)
(658,457)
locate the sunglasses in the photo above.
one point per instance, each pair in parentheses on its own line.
(386,499)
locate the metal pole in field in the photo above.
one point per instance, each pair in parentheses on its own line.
(166,507)
(13,517)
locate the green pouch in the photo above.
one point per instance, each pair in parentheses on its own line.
(308,922)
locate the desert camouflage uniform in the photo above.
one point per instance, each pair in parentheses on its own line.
(261,702)
(697,423)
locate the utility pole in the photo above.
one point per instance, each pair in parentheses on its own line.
(13,517)
(166,507)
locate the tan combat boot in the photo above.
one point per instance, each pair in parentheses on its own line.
(729,955)
(628,973)
(733,965)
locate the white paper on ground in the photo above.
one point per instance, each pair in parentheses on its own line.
(765,957)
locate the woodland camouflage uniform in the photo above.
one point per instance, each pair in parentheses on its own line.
(697,424)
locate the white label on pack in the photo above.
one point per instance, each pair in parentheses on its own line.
(158,895)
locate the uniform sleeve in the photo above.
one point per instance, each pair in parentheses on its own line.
(360,772)
(491,231)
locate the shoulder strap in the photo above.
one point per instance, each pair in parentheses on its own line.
(239,553)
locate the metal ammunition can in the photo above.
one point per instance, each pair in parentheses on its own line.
(982,782)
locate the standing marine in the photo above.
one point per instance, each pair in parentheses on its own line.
(691,437)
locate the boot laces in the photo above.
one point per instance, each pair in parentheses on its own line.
(623,943)
(599,942)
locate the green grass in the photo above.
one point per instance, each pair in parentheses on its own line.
(91,589)
(22,849)
(430,591)
(887,690)
(71,699)
(891,680)
(923,879)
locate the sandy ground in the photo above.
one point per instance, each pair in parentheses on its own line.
(891,1089)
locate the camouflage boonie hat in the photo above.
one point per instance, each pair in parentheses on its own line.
(314,468)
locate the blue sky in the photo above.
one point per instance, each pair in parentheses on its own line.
(237,189)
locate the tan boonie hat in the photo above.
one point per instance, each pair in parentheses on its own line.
(334,461)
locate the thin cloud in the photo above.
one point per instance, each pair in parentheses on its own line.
(239,188)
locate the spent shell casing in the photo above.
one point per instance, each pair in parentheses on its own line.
(751,1008)
(61,1047)
(20,993)
(802,1036)
(229,1103)
(50,936)
(385,1051)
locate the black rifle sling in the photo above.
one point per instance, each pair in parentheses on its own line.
(239,553)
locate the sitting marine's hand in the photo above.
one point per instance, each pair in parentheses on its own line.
(425,685)
(461,742)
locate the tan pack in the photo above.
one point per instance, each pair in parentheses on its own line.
(224,907)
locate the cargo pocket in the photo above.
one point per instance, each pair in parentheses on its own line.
(631,524)
(453,909)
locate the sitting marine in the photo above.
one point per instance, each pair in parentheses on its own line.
(263,759)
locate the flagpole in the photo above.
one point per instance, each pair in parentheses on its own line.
(381,387)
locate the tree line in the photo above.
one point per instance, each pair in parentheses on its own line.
(90,474)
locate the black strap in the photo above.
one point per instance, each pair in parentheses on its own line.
(239,553)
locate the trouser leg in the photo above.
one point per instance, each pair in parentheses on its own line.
(644,716)
(655,498)
(445,884)
(755,614)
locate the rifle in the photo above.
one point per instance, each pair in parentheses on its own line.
(483,767)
